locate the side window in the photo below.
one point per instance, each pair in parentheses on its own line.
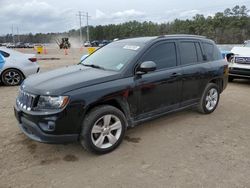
(188,53)
(1,61)
(4,54)
(217,53)
(209,51)
(164,55)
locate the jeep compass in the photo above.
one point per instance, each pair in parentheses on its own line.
(121,85)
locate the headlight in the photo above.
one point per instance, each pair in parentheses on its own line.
(52,103)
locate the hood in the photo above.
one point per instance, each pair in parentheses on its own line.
(66,79)
(241,51)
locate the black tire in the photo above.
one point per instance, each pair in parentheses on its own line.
(203,101)
(230,79)
(17,77)
(86,136)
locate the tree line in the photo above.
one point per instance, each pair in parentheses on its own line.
(230,26)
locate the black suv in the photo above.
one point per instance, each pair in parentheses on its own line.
(120,85)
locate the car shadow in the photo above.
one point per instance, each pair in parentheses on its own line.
(241,81)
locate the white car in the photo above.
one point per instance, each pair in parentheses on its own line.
(239,67)
(17,66)
(87,44)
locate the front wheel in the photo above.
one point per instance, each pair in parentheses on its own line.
(209,99)
(103,129)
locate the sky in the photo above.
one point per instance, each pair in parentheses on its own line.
(35,16)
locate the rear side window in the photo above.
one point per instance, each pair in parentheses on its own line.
(4,54)
(211,51)
(217,53)
(164,55)
(188,53)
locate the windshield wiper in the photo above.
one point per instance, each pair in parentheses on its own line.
(94,66)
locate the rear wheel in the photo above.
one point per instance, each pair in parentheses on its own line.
(12,77)
(210,99)
(103,129)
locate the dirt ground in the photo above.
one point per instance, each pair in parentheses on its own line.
(185,149)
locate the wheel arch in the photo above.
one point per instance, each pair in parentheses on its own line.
(11,68)
(118,103)
(218,82)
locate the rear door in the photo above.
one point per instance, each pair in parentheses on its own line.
(194,71)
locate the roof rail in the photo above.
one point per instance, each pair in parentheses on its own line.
(182,35)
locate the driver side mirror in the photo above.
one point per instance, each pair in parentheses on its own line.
(145,67)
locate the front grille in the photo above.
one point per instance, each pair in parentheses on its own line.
(25,100)
(242,60)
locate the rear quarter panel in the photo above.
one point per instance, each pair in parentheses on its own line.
(220,71)
(21,63)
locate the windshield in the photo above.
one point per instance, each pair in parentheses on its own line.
(113,56)
(247,44)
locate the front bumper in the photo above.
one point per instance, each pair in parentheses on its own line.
(239,72)
(34,132)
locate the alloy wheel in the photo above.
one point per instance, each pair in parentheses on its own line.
(12,77)
(106,131)
(211,99)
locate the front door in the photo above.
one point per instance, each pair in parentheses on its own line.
(159,91)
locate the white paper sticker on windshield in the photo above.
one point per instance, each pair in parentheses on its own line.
(130,47)
(119,66)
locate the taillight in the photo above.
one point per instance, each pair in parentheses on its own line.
(33,59)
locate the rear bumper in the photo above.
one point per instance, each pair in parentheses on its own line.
(33,131)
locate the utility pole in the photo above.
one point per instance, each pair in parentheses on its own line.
(80,19)
(18,37)
(87,17)
(12,31)
(81,15)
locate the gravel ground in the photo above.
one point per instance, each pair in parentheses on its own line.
(185,149)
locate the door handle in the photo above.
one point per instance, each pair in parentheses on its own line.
(175,74)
